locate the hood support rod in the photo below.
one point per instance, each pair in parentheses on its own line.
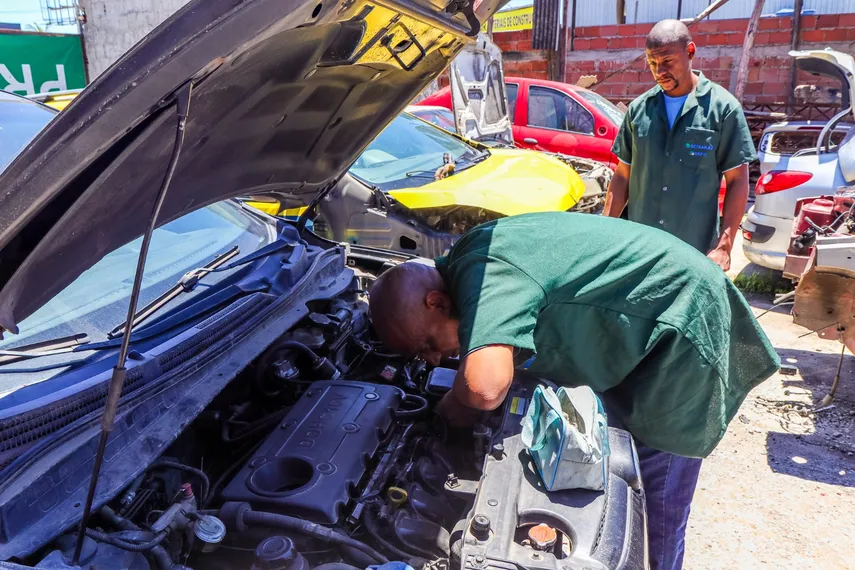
(117,380)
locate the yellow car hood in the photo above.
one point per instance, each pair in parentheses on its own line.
(509,182)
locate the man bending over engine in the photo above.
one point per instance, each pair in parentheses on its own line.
(633,312)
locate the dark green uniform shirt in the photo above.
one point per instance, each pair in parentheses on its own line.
(676,172)
(628,310)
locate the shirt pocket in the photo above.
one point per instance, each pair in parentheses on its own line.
(699,148)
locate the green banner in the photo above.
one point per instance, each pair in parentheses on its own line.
(36,63)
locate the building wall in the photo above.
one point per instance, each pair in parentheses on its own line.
(114,26)
(604,12)
(603,49)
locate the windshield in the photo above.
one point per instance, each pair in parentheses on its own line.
(407,153)
(20,121)
(97,301)
(605,106)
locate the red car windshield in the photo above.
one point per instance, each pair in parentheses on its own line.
(606,107)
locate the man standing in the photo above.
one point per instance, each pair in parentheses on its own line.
(676,142)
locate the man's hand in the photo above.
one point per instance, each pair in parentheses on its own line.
(735,200)
(618,194)
(720,257)
(456,414)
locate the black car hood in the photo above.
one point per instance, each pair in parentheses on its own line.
(286,94)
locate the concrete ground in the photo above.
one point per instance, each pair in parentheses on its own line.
(779,491)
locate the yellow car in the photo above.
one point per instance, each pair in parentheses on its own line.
(59,100)
(390,198)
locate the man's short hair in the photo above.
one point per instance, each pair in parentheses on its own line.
(668,33)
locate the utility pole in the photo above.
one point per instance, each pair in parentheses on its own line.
(794,45)
(742,70)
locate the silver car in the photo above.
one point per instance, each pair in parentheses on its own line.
(797,160)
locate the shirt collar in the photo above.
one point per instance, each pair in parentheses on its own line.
(702,88)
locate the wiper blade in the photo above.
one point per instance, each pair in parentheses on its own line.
(421,174)
(50,347)
(186,284)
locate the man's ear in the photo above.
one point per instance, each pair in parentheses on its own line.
(438,301)
(691,49)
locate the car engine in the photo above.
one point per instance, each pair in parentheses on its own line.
(326,453)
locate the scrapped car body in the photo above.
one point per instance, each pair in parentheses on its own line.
(260,422)
(782,140)
(58,100)
(20,121)
(554,117)
(390,199)
(806,173)
(478,93)
(820,262)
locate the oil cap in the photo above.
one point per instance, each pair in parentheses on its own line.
(542,536)
(480,527)
(278,553)
(209,531)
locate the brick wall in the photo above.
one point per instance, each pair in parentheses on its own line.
(602,49)
(114,26)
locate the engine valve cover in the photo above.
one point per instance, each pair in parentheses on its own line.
(315,459)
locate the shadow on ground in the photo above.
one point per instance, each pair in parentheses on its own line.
(815,445)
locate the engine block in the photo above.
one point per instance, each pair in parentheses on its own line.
(311,465)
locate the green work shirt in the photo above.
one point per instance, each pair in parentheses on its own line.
(630,311)
(676,171)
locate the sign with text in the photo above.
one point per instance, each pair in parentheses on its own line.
(37,63)
(512,20)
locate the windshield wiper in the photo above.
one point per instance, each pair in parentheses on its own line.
(446,159)
(186,284)
(50,347)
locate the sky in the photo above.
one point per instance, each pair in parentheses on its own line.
(27,12)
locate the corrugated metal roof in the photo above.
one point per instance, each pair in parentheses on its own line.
(545,24)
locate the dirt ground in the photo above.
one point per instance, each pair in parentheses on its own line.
(779,491)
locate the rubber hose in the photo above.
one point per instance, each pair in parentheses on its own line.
(336,566)
(206,483)
(355,557)
(408,414)
(371,526)
(301,526)
(124,545)
(159,553)
(457,535)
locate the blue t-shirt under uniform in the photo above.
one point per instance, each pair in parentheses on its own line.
(673,106)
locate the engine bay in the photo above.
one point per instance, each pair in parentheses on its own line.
(326,453)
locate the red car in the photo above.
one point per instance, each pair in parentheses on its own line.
(558,117)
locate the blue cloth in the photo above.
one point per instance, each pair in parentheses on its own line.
(391,566)
(673,106)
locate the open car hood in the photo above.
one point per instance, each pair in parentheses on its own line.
(830,63)
(286,94)
(478,93)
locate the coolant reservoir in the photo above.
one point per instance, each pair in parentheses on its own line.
(820,211)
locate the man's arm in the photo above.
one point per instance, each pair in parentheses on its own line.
(618,194)
(481,384)
(735,199)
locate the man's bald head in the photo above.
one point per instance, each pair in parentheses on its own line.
(669,53)
(668,33)
(412,313)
